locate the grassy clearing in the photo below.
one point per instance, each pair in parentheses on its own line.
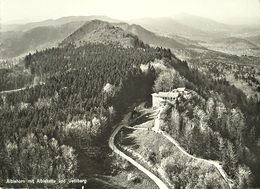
(149,140)
(146,120)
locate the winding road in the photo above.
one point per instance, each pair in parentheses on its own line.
(21,89)
(123,123)
(156,129)
(216,164)
(14,90)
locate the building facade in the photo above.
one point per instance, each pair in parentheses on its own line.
(159,98)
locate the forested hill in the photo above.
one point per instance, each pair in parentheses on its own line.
(150,37)
(45,127)
(59,130)
(97,31)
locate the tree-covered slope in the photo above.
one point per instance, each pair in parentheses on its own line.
(45,127)
(216,121)
(97,31)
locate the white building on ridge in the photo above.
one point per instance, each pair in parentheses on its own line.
(158,98)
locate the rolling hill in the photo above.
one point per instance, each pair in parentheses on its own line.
(201,23)
(15,43)
(233,45)
(181,47)
(234,41)
(168,26)
(254,39)
(186,35)
(151,37)
(97,31)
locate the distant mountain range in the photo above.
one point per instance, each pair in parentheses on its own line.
(55,23)
(15,43)
(185,35)
(168,26)
(200,23)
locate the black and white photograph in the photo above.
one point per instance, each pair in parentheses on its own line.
(130,94)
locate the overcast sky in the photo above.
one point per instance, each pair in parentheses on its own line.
(35,10)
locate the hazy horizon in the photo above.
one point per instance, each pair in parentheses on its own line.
(225,11)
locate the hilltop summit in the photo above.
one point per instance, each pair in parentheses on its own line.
(97,31)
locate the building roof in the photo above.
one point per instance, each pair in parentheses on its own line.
(181,89)
(166,94)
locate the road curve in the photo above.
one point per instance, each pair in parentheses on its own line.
(158,181)
(20,89)
(14,90)
(214,163)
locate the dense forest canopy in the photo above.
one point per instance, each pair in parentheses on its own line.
(78,93)
(75,94)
